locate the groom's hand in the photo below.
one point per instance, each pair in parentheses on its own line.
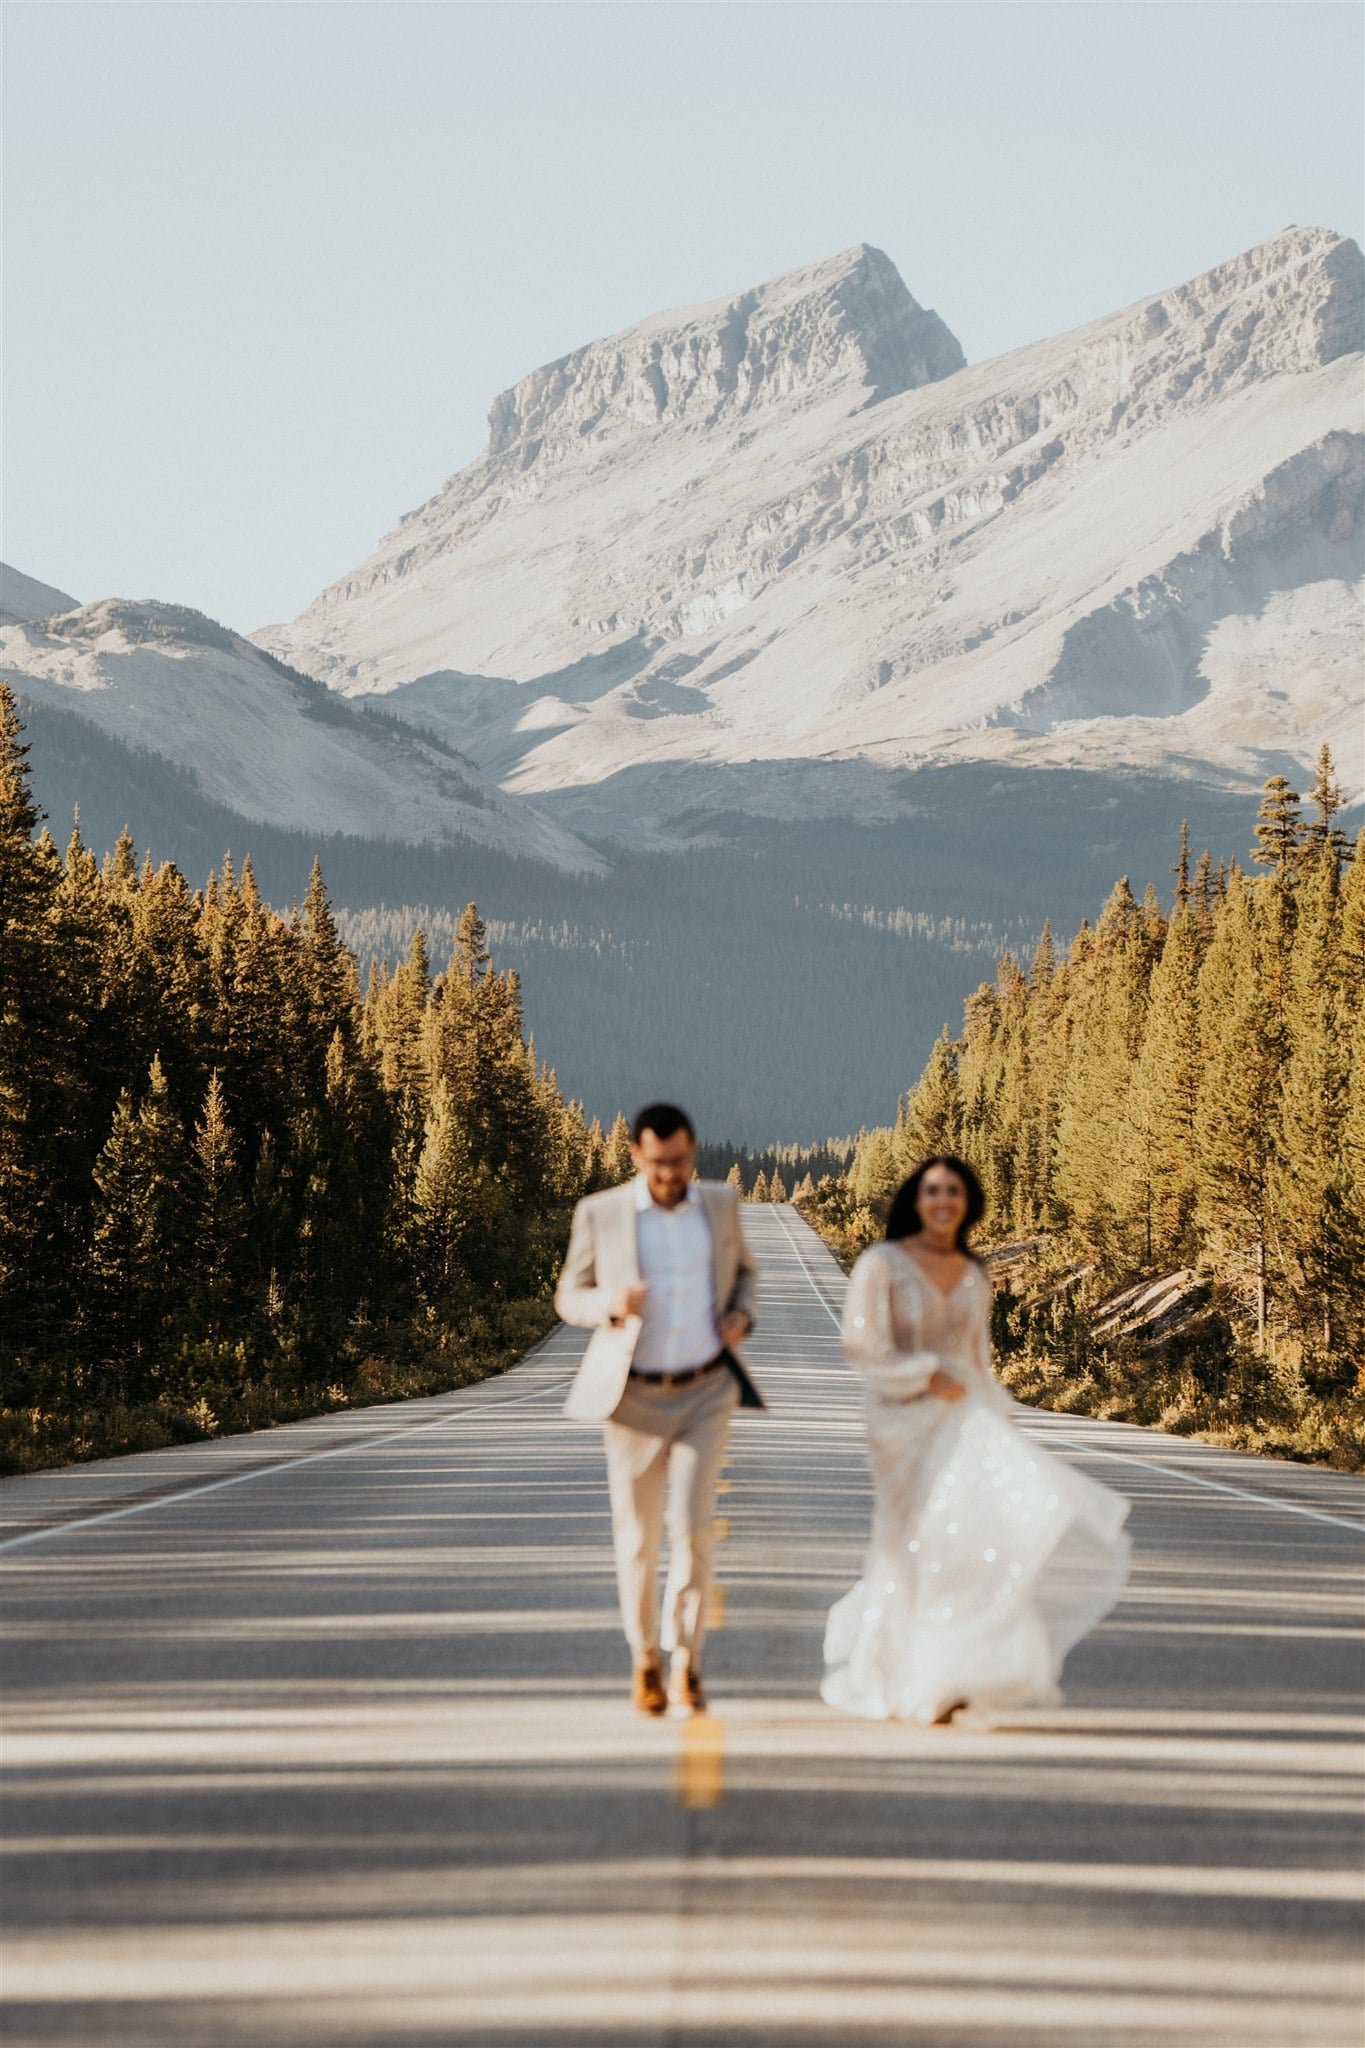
(946,1387)
(734,1326)
(629,1302)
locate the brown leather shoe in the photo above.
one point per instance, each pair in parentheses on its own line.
(647,1686)
(686,1687)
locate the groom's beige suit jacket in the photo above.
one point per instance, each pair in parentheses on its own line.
(603,1260)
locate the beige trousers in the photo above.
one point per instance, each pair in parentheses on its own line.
(671,1440)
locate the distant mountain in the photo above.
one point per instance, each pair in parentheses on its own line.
(770,553)
(260,738)
(23,597)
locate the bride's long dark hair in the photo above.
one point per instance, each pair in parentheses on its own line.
(904,1219)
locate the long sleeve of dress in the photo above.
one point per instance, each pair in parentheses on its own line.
(869,1340)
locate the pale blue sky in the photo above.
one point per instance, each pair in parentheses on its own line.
(266,265)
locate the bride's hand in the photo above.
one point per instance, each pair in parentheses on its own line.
(945,1386)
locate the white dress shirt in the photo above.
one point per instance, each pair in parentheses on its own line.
(678,1328)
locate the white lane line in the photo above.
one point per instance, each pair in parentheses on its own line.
(79,1523)
(807,1271)
(1264,1500)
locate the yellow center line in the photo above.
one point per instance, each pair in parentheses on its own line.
(701,1762)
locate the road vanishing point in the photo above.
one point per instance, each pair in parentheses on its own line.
(320,1736)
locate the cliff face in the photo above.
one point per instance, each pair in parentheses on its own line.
(794,525)
(846,325)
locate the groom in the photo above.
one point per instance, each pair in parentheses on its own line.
(658,1269)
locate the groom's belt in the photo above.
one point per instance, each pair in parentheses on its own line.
(679,1379)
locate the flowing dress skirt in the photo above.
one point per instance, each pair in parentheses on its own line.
(990,1558)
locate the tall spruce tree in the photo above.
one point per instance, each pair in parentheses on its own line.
(1326,798)
(618,1164)
(1279,827)
(135,1272)
(1237,1121)
(219,1218)
(934,1112)
(1107,1001)
(328,968)
(1165,1094)
(1310,1198)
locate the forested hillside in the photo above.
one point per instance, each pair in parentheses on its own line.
(782,979)
(1177,1097)
(232,1189)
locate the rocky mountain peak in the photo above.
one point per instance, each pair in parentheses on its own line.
(1293,302)
(846,325)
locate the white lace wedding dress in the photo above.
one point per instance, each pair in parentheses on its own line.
(989,1556)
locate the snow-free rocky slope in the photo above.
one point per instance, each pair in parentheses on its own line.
(23,597)
(781,544)
(268,743)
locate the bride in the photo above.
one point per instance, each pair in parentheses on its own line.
(989,1557)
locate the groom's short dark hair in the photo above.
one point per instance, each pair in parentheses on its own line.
(665,1119)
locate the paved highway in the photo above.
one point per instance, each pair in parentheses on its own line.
(321,1737)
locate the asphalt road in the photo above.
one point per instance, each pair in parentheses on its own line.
(321,1737)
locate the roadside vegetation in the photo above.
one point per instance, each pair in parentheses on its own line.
(1169,1119)
(233,1189)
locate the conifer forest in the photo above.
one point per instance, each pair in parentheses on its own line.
(237,1186)
(235,1189)
(1169,1122)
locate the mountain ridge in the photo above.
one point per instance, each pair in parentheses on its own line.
(821,577)
(24,597)
(262,737)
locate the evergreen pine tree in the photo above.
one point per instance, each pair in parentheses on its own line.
(135,1276)
(1044,965)
(594,1176)
(1165,1096)
(339,1146)
(1181,869)
(1349,1308)
(1236,1122)
(1326,798)
(453,1205)
(328,967)
(1279,828)
(470,958)
(618,1164)
(219,1218)
(50,1039)
(934,1113)
(1203,891)
(1310,1197)
(399,1016)
(27,881)
(876,1171)
(1097,1134)
(120,866)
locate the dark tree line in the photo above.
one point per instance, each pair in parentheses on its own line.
(228,1178)
(862,936)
